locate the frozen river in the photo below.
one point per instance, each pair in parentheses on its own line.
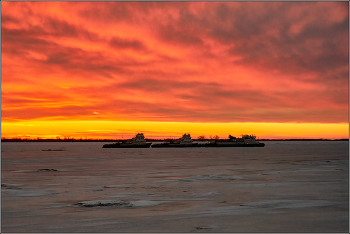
(82,187)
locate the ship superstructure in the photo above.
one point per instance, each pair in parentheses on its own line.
(138,141)
(184,141)
(247,139)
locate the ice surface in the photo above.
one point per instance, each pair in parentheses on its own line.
(283,187)
(28,192)
(210,177)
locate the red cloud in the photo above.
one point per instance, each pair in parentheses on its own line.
(176,61)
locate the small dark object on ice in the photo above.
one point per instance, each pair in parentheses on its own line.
(104,203)
(46,170)
(10,186)
(202,227)
(54,150)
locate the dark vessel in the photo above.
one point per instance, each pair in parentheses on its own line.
(137,142)
(244,141)
(184,141)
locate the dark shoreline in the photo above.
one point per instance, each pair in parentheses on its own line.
(148,140)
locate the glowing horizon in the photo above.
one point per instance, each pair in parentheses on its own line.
(273,69)
(160,130)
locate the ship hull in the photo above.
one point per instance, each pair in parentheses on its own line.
(206,145)
(121,145)
(234,145)
(174,145)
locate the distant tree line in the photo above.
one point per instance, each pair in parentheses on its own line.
(202,138)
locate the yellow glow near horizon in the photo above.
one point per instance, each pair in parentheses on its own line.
(127,129)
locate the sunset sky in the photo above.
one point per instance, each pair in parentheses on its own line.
(112,69)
